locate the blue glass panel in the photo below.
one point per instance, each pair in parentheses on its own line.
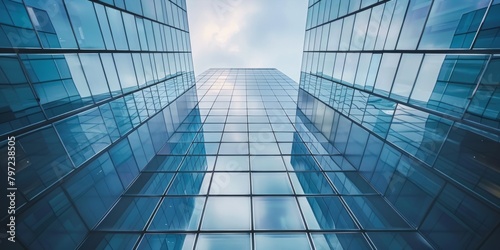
(386,165)
(271,183)
(169,241)
(40,161)
(110,241)
(399,240)
(339,241)
(310,183)
(51,17)
(378,115)
(94,73)
(53,216)
(190,184)
(224,242)
(415,18)
(405,76)
(150,183)
(164,163)
(130,213)
(131,29)
(418,133)
(117,29)
(15,113)
(350,183)
(158,131)
(133,6)
(373,212)
(444,20)
(232,163)
(18,14)
(227,213)
(483,106)
(458,220)
(276,213)
(267,163)
(85,25)
(94,189)
(124,162)
(471,159)
(272,241)
(178,213)
(325,213)
(126,71)
(230,183)
(196,163)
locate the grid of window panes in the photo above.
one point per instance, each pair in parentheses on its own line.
(407,92)
(246,170)
(91,90)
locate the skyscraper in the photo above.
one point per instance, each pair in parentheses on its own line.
(90,91)
(389,141)
(407,93)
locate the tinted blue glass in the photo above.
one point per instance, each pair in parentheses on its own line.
(150,183)
(457,214)
(51,17)
(227,213)
(271,241)
(223,241)
(399,240)
(126,71)
(85,25)
(271,183)
(190,183)
(59,218)
(178,213)
(130,213)
(350,183)
(339,241)
(447,21)
(125,163)
(230,183)
(16,114)
(374,213)
(325,213)
(232,163)
(276,213)
(94,74)
(310,183)
(44,157)
(110,240)
(153,241)
(94,189)
(267,163)
(117,29)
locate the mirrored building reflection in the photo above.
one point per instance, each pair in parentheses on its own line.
(389,141)
(405,92)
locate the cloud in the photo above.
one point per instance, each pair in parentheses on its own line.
(257,33)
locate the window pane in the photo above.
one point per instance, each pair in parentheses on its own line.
(281,241)
(224,241)
(178,213)
(271,183)
(85,24)
(227,213)
(276,213)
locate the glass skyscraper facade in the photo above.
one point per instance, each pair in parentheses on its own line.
(391,139)
(91,90)
(407,94)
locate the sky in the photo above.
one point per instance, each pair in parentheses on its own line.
(247,34)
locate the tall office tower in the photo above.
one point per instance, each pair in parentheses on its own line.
(245,170)
(406,94)
(91,90)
